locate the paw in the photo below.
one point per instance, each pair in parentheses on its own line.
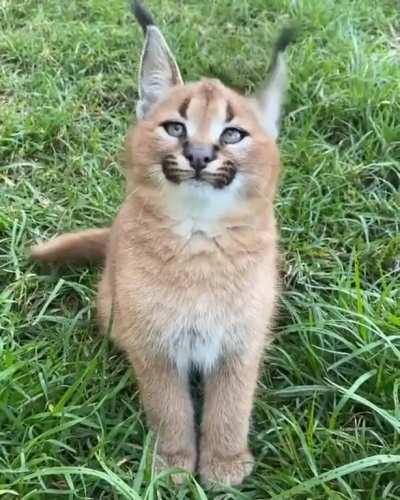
(181,459)
(226,470)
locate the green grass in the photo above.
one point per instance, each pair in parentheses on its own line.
(327,417)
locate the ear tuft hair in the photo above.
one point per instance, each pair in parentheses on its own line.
(287,36)
(142,15)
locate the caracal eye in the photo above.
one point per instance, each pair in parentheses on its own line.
(175,129)
(232,135)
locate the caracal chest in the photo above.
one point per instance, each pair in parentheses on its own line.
(204,316)
(200,327)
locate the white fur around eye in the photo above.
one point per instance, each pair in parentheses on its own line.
(190,129)
(240,146)
(164,135)
(216,128)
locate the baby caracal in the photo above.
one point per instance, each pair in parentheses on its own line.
(190,276)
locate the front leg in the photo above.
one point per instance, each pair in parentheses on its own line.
(224,454)
(169,411)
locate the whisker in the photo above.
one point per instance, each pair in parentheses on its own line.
(210,174)
(173,170)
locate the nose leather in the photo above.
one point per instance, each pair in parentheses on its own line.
(199,155)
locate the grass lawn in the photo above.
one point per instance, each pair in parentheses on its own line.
(327,417)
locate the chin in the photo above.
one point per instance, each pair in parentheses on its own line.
(196,198)
(198,184)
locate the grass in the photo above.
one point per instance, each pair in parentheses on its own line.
(327,417)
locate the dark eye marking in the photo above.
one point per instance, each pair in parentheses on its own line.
(230,115)
(182,110)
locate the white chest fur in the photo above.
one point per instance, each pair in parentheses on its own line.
(201,340)
(199,330)
(199,349)
(202,329)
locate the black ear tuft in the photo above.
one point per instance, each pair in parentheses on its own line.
(142,15)
(287,36)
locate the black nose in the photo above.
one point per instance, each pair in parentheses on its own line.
(199,155)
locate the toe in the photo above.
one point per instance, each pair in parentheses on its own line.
(227,470)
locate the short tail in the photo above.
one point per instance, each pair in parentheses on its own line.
(80,246)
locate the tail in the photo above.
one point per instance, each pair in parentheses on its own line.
(81,246)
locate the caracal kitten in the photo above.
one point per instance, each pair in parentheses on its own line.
(191,275)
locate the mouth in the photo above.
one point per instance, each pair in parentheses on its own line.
(218,180)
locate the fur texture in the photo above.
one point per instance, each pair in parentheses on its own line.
(190,277)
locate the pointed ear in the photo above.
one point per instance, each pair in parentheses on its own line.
(158,71)
(270,101)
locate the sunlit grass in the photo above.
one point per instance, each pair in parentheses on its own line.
(327,415)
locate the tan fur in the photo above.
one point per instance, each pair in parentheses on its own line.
(168,282)
(89,245)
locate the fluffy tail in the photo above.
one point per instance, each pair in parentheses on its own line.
(81,246)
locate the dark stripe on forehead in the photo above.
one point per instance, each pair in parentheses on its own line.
(182,110)
(229,112)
